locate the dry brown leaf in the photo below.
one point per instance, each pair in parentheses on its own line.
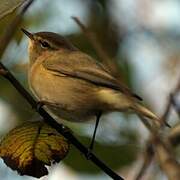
(31,146)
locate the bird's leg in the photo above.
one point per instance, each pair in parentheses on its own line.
(98,116)
(95,130)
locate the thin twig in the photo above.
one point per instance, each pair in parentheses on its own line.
(147,159)
(171,102)
(166,113)
(103,56)
(166,159)
(93,40)
(174,135)
(176,105)
(149,153)
(163,119)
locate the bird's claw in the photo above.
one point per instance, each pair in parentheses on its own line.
(39,105)
(88,154)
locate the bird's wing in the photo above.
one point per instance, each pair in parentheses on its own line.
(79,65)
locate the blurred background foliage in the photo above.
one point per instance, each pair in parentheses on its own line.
(141,35)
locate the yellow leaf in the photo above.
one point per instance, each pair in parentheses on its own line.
(31,146)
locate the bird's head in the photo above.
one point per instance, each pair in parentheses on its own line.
(46,41)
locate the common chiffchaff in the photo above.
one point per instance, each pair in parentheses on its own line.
(73,85)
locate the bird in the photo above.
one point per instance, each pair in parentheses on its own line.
(73,85)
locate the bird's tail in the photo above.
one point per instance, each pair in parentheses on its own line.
(120,102)
(145,111)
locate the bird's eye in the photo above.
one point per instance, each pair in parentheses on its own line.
(44,44)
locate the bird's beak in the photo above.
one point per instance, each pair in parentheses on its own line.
(30,35)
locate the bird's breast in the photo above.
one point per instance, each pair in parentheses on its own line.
(74,97)
(47,86)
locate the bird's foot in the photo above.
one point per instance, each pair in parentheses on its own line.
(39,105)
(88,155)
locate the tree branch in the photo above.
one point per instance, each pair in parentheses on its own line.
(173,137)
(166,159)
(171,102)
(147,159)
(110,63)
